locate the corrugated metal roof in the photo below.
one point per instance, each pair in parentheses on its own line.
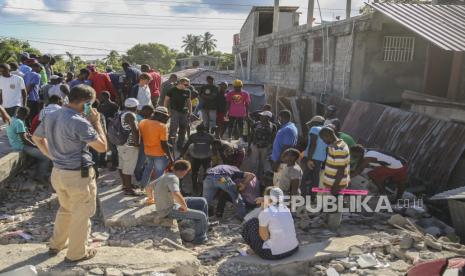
(442,25)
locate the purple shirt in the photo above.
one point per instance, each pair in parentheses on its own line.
(32,78)
(226,171)
(251,191)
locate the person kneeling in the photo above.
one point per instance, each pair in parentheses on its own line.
(272,235)
(171,203)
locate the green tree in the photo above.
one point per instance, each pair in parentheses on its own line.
(11,49)
(114,59)
(227,61)
(208,42)
(192,44)
(156,55)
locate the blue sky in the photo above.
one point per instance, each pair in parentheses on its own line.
(90,23)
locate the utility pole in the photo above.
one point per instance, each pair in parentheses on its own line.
(276,16)
(348,8)
(311,7)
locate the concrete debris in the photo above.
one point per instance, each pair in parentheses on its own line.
(188,234)
(113,272)
(406,241)
(96,271)
(331,272)
(367,260)
(338,267)
(398,220)
(430,243)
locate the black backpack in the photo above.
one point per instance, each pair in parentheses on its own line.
(116,133)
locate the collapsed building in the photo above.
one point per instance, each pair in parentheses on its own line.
(396,74)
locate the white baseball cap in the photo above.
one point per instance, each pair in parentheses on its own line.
(266,114)
(131,102)
(161,109)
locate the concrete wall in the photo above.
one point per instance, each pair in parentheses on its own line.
(385,81)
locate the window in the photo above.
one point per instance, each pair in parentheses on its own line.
(285,54)
(317,49)
(261,56)
(244,57)
(398,48)
(206,63)
(212,63)
(195,63)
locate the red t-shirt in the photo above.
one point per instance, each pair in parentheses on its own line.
(155,84)
(102,82)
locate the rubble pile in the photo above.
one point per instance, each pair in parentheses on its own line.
(395,241)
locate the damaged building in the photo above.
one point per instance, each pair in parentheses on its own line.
(375,57)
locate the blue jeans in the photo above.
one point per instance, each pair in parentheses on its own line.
(158,163)
(212,183)
(198,212)
(139,171)
(42,160)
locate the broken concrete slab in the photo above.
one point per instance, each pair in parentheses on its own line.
(179,262)
(297,264)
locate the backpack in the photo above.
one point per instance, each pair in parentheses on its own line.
(117,135)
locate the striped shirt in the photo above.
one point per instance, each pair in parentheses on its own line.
(338,156)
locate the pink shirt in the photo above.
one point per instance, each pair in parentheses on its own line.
(238,102)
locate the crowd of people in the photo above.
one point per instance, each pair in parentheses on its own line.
(137,124)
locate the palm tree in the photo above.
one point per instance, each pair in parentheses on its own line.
(113,59)
(192,44)
(208,42)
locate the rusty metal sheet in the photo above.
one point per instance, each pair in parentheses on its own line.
(362,119)
(343,107)
(431,146)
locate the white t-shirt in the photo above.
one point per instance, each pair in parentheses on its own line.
(17,73)
(280,224)
(11,90)
(392,162)
(144,96)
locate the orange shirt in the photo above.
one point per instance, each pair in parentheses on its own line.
(152,133)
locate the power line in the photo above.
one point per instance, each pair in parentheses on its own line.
(122,14)
(184,3)
(140,27)
(60,44)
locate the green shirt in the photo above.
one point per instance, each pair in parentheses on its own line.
(43,76)
(14,132)
(347,138)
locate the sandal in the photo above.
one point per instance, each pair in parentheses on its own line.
(90,254)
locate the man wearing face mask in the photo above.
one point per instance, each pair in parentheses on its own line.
(65,136)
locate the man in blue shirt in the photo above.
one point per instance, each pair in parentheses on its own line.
(132,73)
(314,155)
(23,67)
(20,140)
(82,78)
(285,138)
(32,82)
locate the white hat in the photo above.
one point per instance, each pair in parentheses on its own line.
(161,109)
(131,103)
(277,195)
(266,114)
(54,77)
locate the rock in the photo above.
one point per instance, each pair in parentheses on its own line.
(100,236)
(397,220)
(419,246)
(113,272)
(355,251)
(415,212)
(320,267)
(338,267)
(399,265)
(432,244)
(367,260)
(331,272)
(96,271)
(126,243)
(406,241)
(188,234)
(433,231)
